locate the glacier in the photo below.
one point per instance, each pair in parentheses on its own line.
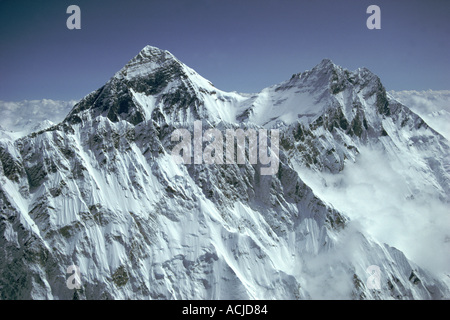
(100,190)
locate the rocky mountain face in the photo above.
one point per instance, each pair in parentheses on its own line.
(432,106)
(101,191)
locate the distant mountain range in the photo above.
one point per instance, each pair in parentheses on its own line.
(26,116)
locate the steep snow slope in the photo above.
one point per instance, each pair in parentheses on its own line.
(432,106)
(101,191)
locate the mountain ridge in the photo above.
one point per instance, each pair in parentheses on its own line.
(101,191)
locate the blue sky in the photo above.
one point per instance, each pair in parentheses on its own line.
(239,45)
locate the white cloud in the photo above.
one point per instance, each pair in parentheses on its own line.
(378,195)
(24,115)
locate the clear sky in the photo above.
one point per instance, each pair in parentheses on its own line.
(239,45)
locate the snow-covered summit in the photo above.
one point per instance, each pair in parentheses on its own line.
(148,61)
(156,85)
(161,65)
(308,95)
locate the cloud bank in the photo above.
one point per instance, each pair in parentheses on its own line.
(24,116)
(376,193)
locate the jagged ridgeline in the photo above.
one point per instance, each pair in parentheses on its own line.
(101,191)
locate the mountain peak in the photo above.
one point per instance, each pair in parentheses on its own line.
(153,54)
(147,61)
(152,75)
(326,63)
(152,50)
